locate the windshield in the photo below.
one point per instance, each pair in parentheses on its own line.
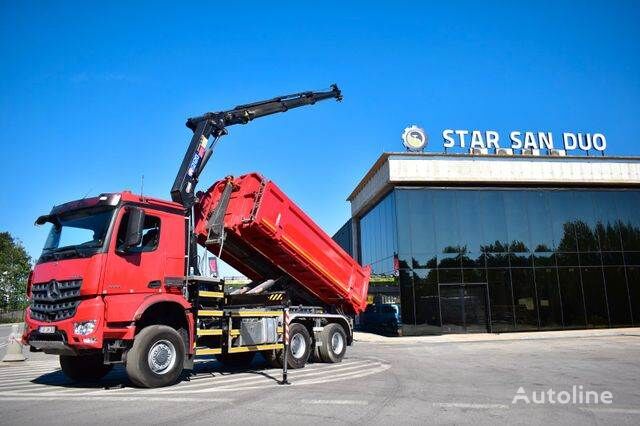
(77,233)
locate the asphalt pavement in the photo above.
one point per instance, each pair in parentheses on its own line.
(408,381)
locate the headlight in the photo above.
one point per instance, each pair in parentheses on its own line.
(85,327)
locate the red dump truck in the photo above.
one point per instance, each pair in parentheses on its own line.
(119,278)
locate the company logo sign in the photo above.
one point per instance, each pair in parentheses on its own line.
(523,140)
(414,138)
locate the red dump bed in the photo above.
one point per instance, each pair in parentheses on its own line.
(268,234)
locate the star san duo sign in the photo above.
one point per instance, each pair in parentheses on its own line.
(523,140)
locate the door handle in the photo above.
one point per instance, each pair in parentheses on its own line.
(154,284)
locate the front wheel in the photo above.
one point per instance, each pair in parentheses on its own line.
(156,357)
(299,348)
(84,368)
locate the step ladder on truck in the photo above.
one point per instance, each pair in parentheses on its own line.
(134,294)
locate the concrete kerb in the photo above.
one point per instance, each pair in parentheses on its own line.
(11,324)
(495,337)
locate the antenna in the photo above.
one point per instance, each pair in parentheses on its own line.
(142,187)
(85,195)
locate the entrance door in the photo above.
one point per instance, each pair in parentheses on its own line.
(464,308)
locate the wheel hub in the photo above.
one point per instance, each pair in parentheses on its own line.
(337,343)
(162,356)
(298,346)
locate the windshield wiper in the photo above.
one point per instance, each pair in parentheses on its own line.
(61,253)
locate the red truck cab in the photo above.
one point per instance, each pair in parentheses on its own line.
(89,290)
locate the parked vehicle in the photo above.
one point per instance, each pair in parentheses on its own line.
(382,318)
(118,279)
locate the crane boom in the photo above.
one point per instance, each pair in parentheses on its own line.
(214,124)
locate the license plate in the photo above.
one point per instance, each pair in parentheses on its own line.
(47,329)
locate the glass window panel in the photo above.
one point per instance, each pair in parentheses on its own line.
(567,259)
(617,296)
(524,260)
(628,206)
(632,258)
(524,298)
(427,299)
(540,225)
(633,281)
(446,221)
(491,210)
(474,275)
(515,205)
(544,259)
(421,218)
(473,260)
(407,306)
(497,260)
(612,258)
(572,298)
(590,259)
(500,300)
(449,260)
(560,205)
(607,219)
(549,305)
(594,296)
(584,221)
(470,222)
(403,212)
(449,276)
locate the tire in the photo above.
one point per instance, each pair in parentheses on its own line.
(84,368)
(156,357)
(237,360)
(299,337)
(334,343)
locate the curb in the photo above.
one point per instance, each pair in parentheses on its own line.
(11,324)
(496,337)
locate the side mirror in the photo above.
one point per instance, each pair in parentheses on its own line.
(135,226)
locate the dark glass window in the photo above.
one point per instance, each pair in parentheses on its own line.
(562,217)
(547,258)
(407,297)
(150,234)
(549,305)
(492,212)
(515,205)
(425,283)
(572,298)
(501,300)
(617,296)
(524,298)
(445,214)
(594,297)
(540,225)
(633,280)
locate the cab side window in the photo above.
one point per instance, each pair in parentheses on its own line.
(150,234)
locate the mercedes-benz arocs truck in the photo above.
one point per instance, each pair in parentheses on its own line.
(119,278)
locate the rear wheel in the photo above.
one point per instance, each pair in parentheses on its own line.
(334,343)
(84,368)
(156,358)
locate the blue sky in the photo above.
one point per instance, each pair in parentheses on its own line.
(95,94)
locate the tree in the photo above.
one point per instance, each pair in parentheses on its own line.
(15,265)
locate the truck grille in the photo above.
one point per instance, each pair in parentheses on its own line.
(55,300)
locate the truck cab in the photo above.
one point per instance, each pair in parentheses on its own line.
(106,261)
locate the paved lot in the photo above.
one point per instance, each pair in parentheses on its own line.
(410,381)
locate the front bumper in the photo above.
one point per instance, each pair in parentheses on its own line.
(64,340)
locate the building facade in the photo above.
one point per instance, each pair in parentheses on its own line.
(483,243)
